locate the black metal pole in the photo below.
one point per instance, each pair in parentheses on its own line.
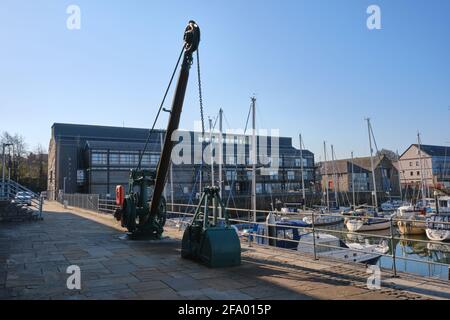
(192,39)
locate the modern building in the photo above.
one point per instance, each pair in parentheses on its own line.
(426,163)
(94,159)
(339,176)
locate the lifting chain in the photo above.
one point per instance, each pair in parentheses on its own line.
(200,97)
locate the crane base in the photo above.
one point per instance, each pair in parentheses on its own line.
(216,247)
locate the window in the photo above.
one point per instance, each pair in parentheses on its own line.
(249,175)
(274,175)
(411,173)
(113,158)
(154,158)
(125,159)
(291,175)
(145,160)
(417,163)
(285,234)
(418,173)
(410,163)
(99,158)
(305,174)
(231,160)
(299,164)
(361,183)
(259,188)
(289,234)
(231,175)
(280,234)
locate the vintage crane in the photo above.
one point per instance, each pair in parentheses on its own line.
(143,212)
(144,215)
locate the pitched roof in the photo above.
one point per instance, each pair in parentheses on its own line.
(344,165)
(434,151)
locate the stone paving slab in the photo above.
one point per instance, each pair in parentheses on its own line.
(34,257)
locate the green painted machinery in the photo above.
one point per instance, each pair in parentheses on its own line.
(210,240)
(134,208)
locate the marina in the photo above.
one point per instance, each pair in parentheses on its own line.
(413,253)
(303,167)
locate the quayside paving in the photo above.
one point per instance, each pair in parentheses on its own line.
(34,257)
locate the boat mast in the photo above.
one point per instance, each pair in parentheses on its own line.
(212,161)
(353,184)
(211,148)
(303,178)
(326,174)
(336,199)
(422,183)
(399,177)
(221,158)
(375,199)
(254,158)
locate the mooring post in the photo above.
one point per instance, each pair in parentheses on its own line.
(394,265)
(41,200)
(314,237)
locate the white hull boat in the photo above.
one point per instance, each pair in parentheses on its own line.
(332,247)
(323,219)
(438,235)
(367,224)
(438,227)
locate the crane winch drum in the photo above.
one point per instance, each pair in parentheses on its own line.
(214,243)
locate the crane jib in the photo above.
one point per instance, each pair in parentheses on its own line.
(192,39)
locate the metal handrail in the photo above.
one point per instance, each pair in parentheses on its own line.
(12,188)
(109,206)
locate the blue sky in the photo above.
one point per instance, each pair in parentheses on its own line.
(313,65)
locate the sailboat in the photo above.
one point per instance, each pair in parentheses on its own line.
(438,225)
(412,218)
(323,216)
(364,219)
(289,234)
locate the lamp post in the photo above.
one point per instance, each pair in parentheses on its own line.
(4,145)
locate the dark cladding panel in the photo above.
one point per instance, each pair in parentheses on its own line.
(99,177)
(99,189)
(118,177)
